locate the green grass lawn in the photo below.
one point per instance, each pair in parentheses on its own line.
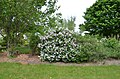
(18,71)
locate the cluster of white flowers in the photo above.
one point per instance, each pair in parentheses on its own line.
(58,45)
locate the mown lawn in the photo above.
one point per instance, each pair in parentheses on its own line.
(18,71)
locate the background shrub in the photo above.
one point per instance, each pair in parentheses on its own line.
(91,49)
(112,47)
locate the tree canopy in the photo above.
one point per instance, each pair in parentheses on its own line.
(103,18)
(68,23)
(18,17)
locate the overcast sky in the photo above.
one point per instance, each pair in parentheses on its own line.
(74,8)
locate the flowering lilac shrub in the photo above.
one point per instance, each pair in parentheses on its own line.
(58,45)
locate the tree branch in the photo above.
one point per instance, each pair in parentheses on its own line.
(1,34)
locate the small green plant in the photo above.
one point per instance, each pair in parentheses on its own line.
(2,45)
(23,50)
(34,40)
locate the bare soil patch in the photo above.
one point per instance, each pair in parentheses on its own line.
(28,59)
(22,58)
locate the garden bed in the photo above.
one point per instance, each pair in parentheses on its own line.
(28,59)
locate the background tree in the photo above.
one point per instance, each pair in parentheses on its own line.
(48,20)
(68,23)
(18,17)
(103,18)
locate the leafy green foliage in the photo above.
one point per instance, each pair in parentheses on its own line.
(95,49)
(103,18)
(23,50)
(112,47)
(34,40)
(68,23)
(2,44)
(18,17)
(91,49)
(111,43)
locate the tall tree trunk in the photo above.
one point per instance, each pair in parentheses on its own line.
(9,37)
(34,50)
